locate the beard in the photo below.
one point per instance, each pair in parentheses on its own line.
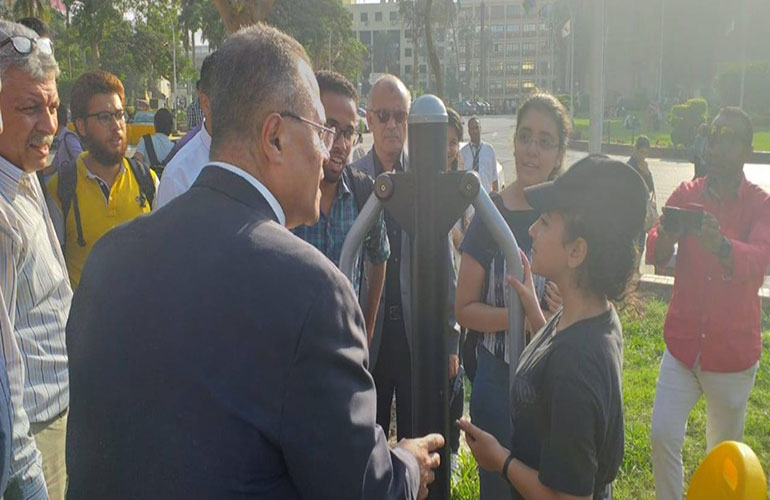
(104,155)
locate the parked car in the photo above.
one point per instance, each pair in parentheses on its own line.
(141,124)
(466,108)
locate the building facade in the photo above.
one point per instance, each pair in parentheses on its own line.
(493,49)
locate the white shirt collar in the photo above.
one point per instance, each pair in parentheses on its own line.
(205,137)
(271,200)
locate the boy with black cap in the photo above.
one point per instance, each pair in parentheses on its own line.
(566,395)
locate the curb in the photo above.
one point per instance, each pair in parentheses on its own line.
(760,157)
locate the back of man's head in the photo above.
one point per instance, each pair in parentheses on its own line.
(36,64)
(61,114)
(163,121)
(36,25)
(256,75)
(331,81)
(206,81)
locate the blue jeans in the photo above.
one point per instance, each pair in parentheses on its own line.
(490,411)
(33,489)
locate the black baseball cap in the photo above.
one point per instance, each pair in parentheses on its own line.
(609,194)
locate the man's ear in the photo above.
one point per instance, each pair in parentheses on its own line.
(205,104)
(270,138)
(80,127)
(577,251)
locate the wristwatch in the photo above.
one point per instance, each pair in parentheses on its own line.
(724,249)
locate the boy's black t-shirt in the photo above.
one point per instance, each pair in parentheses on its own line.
(568,405)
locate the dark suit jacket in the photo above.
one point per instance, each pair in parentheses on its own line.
(213,354)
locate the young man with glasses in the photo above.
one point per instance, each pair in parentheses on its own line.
(479,156)
(712,328)
(103,189)
(344,190)
(35,293)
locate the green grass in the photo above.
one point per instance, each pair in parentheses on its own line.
(643,348)
(660,138)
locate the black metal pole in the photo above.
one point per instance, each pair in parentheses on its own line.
(430,258)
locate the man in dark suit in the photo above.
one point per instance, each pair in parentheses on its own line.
(215,355)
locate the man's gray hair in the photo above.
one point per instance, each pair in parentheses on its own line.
(255,74)
(36,64)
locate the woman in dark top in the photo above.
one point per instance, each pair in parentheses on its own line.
(568,407)
(540,142)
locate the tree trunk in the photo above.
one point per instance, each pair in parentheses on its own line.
(435,64)
(95,55)
(239,13)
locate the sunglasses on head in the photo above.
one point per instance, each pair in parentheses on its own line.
(25,45)
(383,115)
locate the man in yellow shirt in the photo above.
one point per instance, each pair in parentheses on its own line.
(103,189)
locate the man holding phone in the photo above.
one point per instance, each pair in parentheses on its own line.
(721,223)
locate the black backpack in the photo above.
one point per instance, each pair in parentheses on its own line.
(152,156)
(68,180)
(362,186)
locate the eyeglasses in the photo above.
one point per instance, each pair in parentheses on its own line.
(384,115)
(24,45)
(105,117)
(722,134)
(543,144)
(325,134)
(346,134)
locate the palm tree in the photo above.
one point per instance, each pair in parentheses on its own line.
(239,13)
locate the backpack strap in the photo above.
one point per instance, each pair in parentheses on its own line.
(361,184)
(65,191)
(143,176)
(150,147)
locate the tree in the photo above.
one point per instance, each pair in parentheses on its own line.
(94,20)
(414,25)
(239,13)
(32,8)
(323,27)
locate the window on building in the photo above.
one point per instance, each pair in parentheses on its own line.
(530,29)
(514,10)
(364,17)
(528,84)
(378,16)
(512,49)
(365,37)
(462,67)
(496,47)
(528,67)
(528,48)
(423,69)
(408,52)
(408,69)
(512,28)
(512,68)
(394,15)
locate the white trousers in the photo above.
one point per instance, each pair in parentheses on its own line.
(679,389)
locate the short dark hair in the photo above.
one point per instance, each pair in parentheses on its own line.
(455,122)
(331,81)
(206,81)
(164,121)
(61,114)
(37,25)
(90,84)
(642,142)
(256,75)
(740,115)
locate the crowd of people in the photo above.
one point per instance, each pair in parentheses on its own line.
(188,335)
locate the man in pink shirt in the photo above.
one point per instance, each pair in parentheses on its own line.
(712,328)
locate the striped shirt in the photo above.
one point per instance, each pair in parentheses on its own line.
(35,299)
